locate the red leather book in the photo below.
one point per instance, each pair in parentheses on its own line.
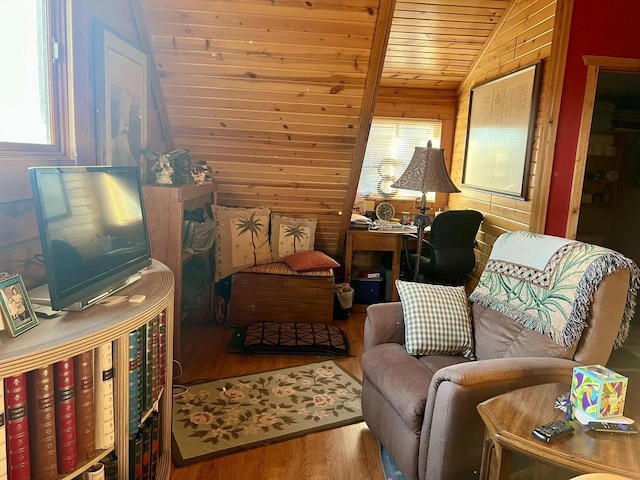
(85,409)
(65,415)
(17,427)
(42,424)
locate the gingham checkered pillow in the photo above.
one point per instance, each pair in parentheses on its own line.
(436,319)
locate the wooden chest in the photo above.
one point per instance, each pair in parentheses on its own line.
(280,298)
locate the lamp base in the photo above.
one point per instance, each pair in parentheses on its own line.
(421,220)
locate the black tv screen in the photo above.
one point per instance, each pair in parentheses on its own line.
(92,230)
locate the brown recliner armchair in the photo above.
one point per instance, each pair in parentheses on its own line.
(422,409)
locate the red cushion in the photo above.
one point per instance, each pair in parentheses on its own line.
(309,261)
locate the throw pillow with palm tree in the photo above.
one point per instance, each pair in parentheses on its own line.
(291,235)
(242,238)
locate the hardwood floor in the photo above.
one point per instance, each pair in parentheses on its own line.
(628,357)
(346,453)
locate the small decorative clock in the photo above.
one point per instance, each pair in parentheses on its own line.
(385,211)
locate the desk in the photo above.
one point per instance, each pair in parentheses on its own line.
(510,418)
(377,240)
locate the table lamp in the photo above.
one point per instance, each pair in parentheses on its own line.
(426,172)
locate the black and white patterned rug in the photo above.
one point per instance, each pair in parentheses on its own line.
(290,338)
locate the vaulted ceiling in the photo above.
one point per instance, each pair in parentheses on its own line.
(433,43)
(276,95)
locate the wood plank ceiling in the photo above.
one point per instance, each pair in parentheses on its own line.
(272,93)
(433,43)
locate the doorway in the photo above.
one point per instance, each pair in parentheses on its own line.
(606,192)
(608,213)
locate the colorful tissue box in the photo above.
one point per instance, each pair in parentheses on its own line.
(598,391)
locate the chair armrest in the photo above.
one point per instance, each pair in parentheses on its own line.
(415,237)
(384,324)
(519,370)
(451,416)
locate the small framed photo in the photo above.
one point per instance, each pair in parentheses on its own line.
(16,307)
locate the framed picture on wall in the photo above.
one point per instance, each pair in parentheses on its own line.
(15,305)
(500,133)
(121,78)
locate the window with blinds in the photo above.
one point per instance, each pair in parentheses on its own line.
(389,150)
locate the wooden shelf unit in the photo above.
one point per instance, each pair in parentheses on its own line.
(598,189)
(165,206)
(71,333)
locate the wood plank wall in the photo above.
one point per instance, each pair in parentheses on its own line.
(522,38)
(270,95)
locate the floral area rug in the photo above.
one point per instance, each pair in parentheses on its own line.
(224,416)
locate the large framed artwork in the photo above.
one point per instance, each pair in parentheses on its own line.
(500,133)
(122,89)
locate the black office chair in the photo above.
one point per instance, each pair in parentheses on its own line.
(447,256)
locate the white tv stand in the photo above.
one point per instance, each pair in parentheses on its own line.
(71,333)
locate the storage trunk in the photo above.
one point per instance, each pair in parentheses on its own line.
(280,298)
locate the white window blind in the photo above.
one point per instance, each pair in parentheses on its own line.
(389,150)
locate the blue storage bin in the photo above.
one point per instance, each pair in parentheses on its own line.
(366,290)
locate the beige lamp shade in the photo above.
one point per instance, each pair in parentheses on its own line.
(426,172)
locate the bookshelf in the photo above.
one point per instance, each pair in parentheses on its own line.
(165,206)
(602,171)
(72,333)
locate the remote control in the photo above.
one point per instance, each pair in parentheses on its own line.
(628,428)
(552,430)
(137,298)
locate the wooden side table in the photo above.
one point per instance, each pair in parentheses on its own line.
(381,241)
(510,418)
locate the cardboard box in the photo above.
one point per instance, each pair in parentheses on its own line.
(598,391)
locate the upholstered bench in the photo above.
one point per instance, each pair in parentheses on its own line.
(275,292)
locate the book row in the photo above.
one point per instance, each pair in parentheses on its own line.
(58,417)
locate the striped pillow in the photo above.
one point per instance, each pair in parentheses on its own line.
(437,320)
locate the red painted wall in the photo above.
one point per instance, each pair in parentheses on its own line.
(597,28)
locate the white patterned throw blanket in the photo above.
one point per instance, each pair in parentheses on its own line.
(547,283)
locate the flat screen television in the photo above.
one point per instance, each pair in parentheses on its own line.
(93,232)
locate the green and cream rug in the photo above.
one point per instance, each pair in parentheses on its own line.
(224,416)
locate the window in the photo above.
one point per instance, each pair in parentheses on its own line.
(389,150)
(29,115)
